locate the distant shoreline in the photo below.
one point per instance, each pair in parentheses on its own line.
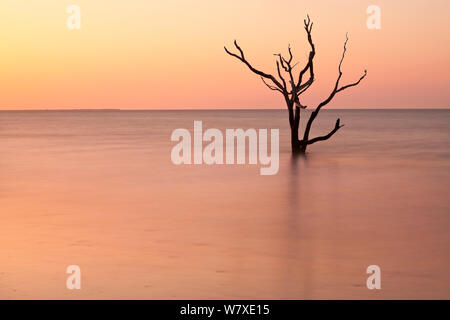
(224,109)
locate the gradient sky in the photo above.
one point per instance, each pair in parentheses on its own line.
(169,54)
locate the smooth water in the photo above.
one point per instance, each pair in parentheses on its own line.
(98,189)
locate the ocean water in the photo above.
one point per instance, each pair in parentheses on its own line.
(98,189)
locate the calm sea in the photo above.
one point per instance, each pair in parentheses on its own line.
(98,189)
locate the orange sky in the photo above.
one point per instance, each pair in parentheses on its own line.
(169,54)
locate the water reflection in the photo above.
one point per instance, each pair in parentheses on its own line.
(295,239)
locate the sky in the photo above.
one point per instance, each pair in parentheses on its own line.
(145,54)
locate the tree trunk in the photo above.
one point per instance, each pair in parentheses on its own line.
(297,146)
(295,143)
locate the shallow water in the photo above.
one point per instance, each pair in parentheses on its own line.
(98,189)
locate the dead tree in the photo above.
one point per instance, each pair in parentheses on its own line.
(291,87)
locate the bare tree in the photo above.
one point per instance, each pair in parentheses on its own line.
(291,87)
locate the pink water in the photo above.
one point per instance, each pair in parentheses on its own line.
(98,190)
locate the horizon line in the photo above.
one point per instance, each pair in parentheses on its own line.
(222,109)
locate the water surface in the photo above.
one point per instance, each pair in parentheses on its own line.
(98,189)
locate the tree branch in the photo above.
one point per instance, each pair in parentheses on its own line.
(281,77)
(241,57)
(271,87)
(336,89)
(308,28)
(353,84)
(329,135)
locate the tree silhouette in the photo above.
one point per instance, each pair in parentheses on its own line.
(292,91)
